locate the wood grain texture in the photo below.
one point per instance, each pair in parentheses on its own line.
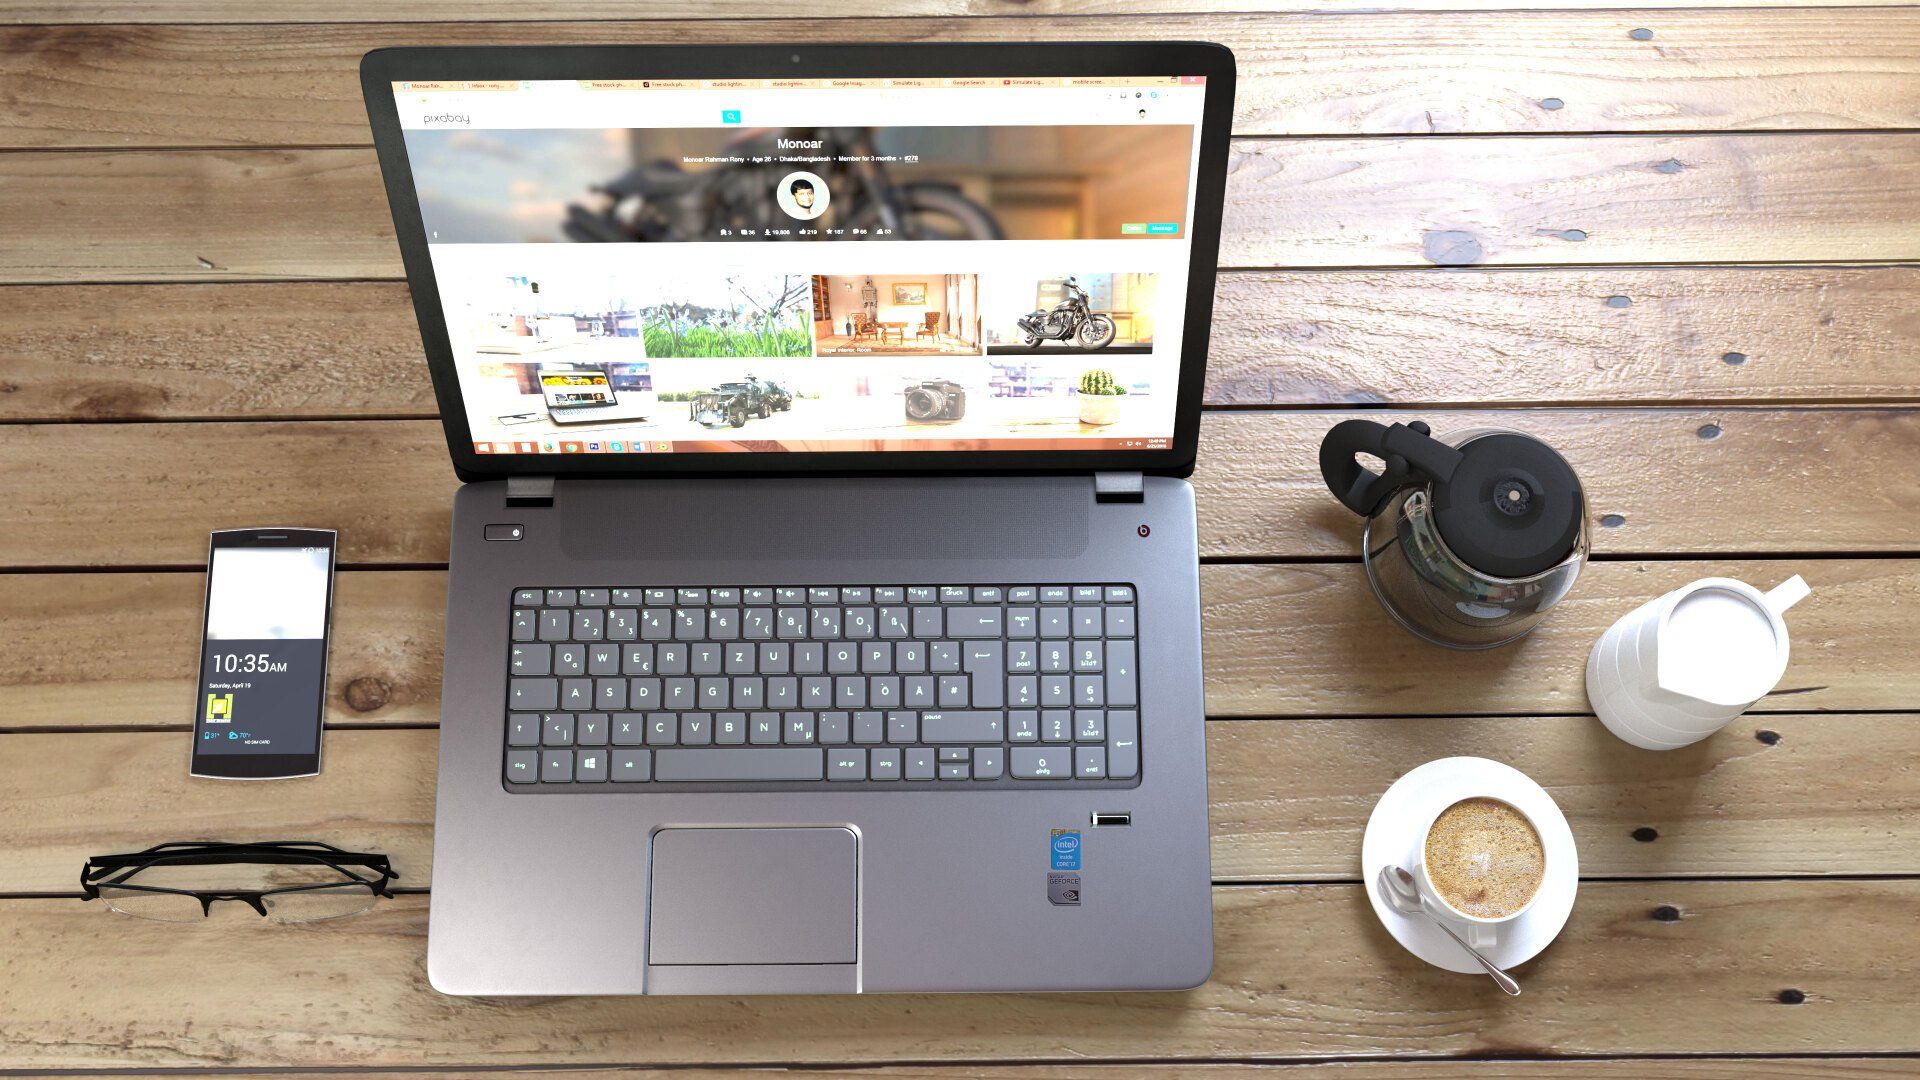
(222,215)
(1280,641)
(1573,336)
(1290,797)
(1302,74)
(1698,334)
(1741,1068)
(1299,971)
(377,11)
(1260,492)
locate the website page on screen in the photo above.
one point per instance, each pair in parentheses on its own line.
(781,265)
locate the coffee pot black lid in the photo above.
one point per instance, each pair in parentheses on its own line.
(1505,503)
(1512,508)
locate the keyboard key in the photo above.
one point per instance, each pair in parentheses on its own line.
(626,729)
(919,763)
(1089,725)
(954,594)
(556,729)
(659,596)
(531,660)
(922,594)
(1055,622)
(903,728)
(823,594)
(569,659)
(884,764)
(1055,594)
(955,771)
(576,693)
(1041,763)
(952,753)
(526,624)
(1086,594)
(927,622)
(986,594)
(974,622)
(1122,685)
(690,596)
(523,766)
(1022,594)
(625,597)
(869,728)
(846,764)
(961,727)
(1090,762)
(1023,726)
(555,624)
(1022,622)
(532,695)
(1087,656)
(799,728)
(603,659)
(831,729)
(889,594)
(1089,690)
(856,594)
(730,729)
(753,763)
(556,766)
(590,729)
(1056,725)
(663,729)
(656,624)
(989,763)
(631,766)
(953,691)
(594,597)
(523,729)
(528,597)
(689,624)
(723,596)
(1119,622)
(943,657)
(696,729)
(1086,622)
(1123,744)
(561,598)
(763,728)
(590,767)
(1119,594)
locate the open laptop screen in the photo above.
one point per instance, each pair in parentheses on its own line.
(812,264)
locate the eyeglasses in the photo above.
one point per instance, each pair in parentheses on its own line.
(290,881)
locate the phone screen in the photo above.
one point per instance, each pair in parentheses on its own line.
(263,657)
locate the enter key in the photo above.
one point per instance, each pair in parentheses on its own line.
(986,663)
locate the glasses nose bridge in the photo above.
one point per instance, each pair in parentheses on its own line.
(252,900)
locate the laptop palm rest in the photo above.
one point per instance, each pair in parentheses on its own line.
(752,897)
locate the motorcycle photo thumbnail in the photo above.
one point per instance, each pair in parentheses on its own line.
(896,315)
(655,185)
(1083,313)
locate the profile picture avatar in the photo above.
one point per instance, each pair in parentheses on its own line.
(802,195)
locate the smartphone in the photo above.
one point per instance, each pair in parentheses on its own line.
(263,654)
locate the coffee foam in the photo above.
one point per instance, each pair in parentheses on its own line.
(1484,858)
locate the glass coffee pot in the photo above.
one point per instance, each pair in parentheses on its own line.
(1471,537)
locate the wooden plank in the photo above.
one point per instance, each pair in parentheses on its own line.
(1288,640)
(1299,971)
(321,213)
(1290,797)
(1740,1068)
(376,11)
(1701,335)
(387,487)
(1704,335)
(1307,74)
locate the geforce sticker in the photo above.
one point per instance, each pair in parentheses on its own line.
(1063,890)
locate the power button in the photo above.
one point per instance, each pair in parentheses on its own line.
(503,532)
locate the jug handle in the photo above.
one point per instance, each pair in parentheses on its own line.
(1411,453)
(1786,594)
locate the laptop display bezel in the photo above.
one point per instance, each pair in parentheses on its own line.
(380,69)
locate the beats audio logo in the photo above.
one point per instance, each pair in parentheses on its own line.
(1144,532)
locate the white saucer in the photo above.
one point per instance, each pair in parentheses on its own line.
(1416,797)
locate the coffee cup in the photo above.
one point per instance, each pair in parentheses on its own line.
(1480,864)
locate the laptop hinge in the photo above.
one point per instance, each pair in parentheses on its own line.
(1119,487)
(529,491)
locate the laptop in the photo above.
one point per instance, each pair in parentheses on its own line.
(584,396)
(871,661)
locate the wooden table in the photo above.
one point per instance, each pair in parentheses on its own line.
(1678,242)
(897,329)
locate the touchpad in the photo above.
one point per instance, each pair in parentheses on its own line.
(753,896)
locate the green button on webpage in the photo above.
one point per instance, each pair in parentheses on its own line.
(1133,228)
(1164,228)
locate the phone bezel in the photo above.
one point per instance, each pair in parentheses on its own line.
(265,766)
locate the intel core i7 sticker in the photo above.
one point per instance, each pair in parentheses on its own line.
(1066,849)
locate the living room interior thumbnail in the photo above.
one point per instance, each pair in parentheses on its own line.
(904,314)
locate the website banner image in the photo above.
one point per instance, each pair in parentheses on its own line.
(1061,182)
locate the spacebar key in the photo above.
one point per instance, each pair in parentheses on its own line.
(785,763)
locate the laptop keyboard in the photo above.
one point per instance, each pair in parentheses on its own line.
(898,687)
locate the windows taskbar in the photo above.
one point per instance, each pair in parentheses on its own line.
(729,446)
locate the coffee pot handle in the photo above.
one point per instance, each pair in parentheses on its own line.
(1411,454)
